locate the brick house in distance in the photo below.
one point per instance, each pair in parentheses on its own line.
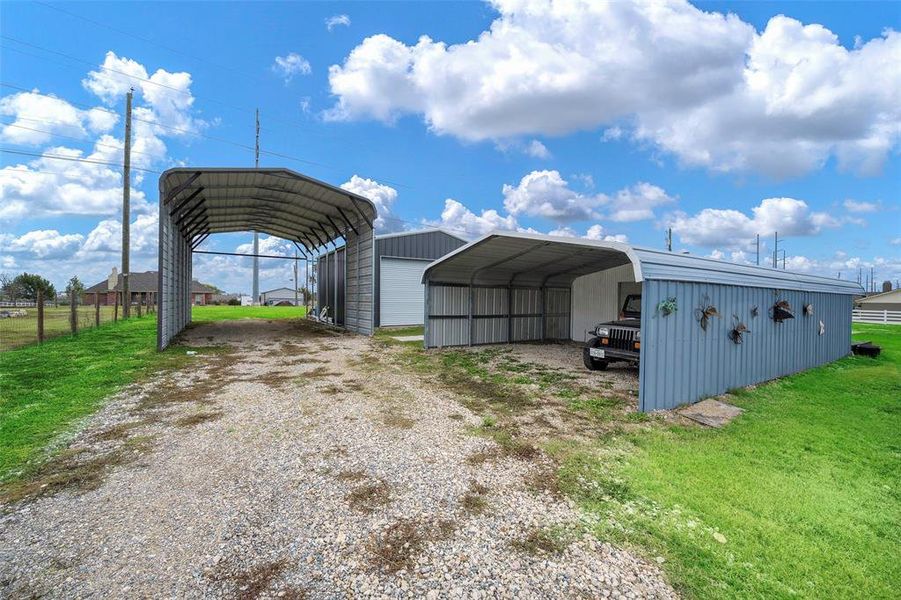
(142,287)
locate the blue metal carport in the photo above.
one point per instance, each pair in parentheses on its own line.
(514,287)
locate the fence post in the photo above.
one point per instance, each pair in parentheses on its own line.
(73,312)
(97,310)
(885,316)
(40,317)
(140,303)
(116,307)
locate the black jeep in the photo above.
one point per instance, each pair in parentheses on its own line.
(618,340)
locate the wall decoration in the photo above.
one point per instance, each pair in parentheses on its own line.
(738,330)
(782,311)
(808,310)
(755,311)
(667,307)
(705,312)
(822,328)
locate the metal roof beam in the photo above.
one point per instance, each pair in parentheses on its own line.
(257,213)
(186,200)
(180,188)
(346,220)
(197,226)
(186,225)
(243,225)
(578,267)
(540,266)
(200,240)
(513,256)
(181,218)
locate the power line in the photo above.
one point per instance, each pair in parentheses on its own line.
(75,159)
(206,136)
(129,76)
(65,137)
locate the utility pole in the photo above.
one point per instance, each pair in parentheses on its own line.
(126,208)
(775,249)
(669,239)
(758,249)
(256,234)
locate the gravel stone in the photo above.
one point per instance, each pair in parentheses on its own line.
(261,501)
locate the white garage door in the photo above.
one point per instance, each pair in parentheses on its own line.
(401,291)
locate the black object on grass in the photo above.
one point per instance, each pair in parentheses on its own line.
(866,349)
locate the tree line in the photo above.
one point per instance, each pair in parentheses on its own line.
(26,286)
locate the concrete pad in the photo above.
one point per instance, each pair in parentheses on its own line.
(408,338)
(712,413)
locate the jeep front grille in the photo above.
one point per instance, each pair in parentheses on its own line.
(621,339)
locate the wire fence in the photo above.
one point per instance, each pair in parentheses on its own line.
(40,321)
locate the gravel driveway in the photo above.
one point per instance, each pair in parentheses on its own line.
(291,466)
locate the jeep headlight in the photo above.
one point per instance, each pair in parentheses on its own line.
(602,331)
(638,335)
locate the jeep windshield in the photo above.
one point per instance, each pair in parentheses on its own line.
(631,307)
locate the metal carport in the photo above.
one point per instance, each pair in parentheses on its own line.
(196,202)
(515,287)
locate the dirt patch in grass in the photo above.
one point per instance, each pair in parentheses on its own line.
(274,378)
(393,549)
(475,501)
(541,541)
(398,421)
(117,432)
(198,418)
(75,469)
(367,498)
(253,582)
(544,479)
(318,373)
(351,475)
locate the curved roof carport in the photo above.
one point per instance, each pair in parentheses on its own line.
(198,202)
(514,287)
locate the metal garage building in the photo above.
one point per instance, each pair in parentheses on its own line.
(198,202)
(400,259)
(514,287)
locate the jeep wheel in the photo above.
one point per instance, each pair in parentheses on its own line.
(591,363)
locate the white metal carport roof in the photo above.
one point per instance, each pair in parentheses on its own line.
(280,202)
(527,259)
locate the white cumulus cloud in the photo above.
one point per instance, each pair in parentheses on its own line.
(705,87)
(383,196)
(290,65)
(731,228)
(337,20)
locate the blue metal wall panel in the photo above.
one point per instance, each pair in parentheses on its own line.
(681,363)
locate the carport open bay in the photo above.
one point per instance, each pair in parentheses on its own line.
(290,458)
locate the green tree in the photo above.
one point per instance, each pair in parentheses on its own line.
(75,286)
(30,283)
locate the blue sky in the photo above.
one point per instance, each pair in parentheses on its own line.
(721,120)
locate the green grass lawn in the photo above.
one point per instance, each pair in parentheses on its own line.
(46,389)
(800,496)
(202,314)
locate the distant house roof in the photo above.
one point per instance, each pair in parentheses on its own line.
(890,297)
(281,289)
(147,281)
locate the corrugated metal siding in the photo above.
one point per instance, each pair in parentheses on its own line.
(595,299)
(680,363)
(499,315)
(175,270)
(359,297)
(425,244)
(326,294)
